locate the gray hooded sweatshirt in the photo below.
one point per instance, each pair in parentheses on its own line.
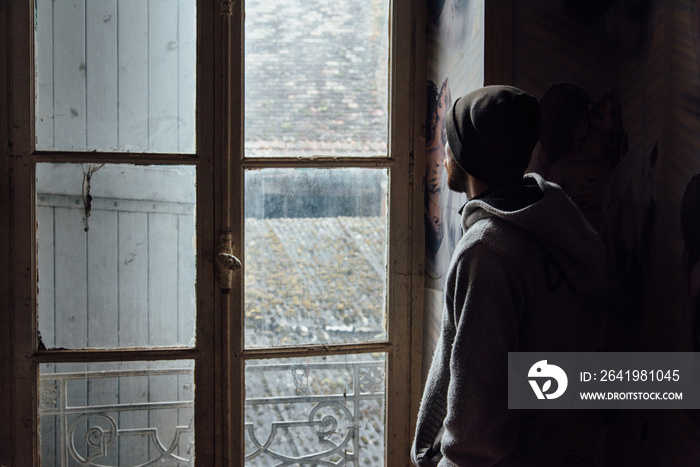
(525,277)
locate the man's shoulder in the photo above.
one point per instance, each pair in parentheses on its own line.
(498,235)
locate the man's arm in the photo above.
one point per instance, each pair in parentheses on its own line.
(488,301)
(426,449)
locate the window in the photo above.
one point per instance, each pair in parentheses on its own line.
(218,212)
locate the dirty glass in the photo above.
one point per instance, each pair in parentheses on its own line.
(316,78)
(315,256)
(116,255)
(315,411)
(117,413)
(115,75)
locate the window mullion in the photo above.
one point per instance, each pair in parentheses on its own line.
(406,247)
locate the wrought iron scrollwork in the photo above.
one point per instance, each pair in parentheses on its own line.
(322,423)
(371,379)
(103,432)
(90,435)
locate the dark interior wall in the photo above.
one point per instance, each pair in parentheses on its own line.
(648,53)
(683,162)
(550,45)
(645,53)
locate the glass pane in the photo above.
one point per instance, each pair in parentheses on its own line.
(315,411)
(315,256)
(316,77)
(117,414)
(116,255)
(115,75)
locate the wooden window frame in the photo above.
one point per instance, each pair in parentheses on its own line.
(219,353)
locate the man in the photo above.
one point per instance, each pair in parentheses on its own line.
(516,283)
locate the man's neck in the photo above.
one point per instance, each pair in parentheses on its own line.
(475,187)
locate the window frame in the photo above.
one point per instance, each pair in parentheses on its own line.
(219,354)
(405,162)
(24,157)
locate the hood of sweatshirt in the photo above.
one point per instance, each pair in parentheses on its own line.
(543,210)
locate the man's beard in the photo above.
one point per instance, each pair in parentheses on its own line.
(457,179)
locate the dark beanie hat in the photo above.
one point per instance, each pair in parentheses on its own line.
(492,132)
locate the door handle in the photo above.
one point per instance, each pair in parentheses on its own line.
(229,261)
(226,261)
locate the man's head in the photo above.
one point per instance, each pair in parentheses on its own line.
(491,133)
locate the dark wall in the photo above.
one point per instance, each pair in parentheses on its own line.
(638,66)
(637,62)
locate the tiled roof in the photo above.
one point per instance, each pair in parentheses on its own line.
(316,77)
(314,280)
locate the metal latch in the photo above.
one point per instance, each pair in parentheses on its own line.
(226,261)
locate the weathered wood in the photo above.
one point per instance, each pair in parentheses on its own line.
(115,76)
(69,72)
(186,75)
(320,161)
(211,441)
(7,282)
(103,280)
(23,290)
(133,75)
(401,252)
(133,279)
(163,47)
(70,279)
(135,158)
(117,204)
(163,273)
(230,51)
(120,182)
(45,277)
(416,220)
(186,294)
(103,355)
(44,83)
(317,350)
(102,99)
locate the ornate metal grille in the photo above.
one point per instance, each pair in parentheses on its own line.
(326,422)
(337,427)
(92,434)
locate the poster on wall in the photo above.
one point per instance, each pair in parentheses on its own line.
(455,67)
(455,43)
